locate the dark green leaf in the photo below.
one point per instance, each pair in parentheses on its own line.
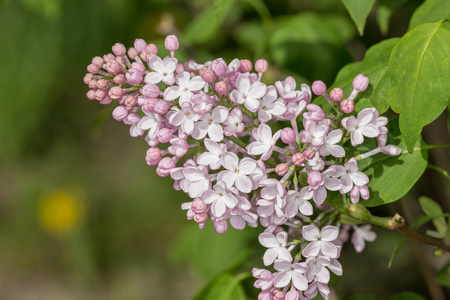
(385,9)
(359,10)
(435,234)
(218,8)
(251,35)
(420,78)
(407,296)
(374,66)
(432,209)
(443,277)
(430,11)
(225,287)
(391,177)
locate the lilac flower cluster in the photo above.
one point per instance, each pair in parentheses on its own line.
(212,127)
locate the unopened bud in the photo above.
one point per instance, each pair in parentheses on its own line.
(208,75)
(359,211)
(282,169)
(119,49)
(171,43)
(288,135)
(319,88)
(219,66)
(164,135)
(161,107)
(298,159)
(120,113)
(221,87)
(309,153)
(347,106)
(139,45)
(261,65)
(246,66)
(336,94)
(360,83)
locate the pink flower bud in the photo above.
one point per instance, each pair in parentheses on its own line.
(278,295)
(145,56)
(315,178)
(202,103)
(219,66)
(179,147)
(100,94)
(115,92)
(138,66)
(139,45)
(134,76)
(164,166)
(221,87)
(164,135)
(98,61)
(120,113)
(179,69)
(221,226)
(282,169)
(198,206)
(108,57)
(288,135)
(119,78)
(153,156)
(292,295)
(88,77)
(93,84)
(151,50)
(102,83)
(113,67)
(298,159)
(246,66)
(233,79)
(309,153)
(105,101)
(319,88)
(360,83)
(347,106)
(119,49)
(336,94)
(201,218)
(91,94)
(208,75)
(132,53)
(150,91)
(149,105)
(92,69)
(171,43)
(161,107)
(261,65)
(130,101)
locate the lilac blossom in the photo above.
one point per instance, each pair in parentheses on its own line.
(264,143)
(210,125)
(184,89)
(361,126)
(163,70)
(269,106)
(185,118)
(233,123)
(248,93)
(321,241)
(350,175)
(288,272)
(219,198)
(360,235)
(236,173)
(276,247)
(329,146)
(212,157)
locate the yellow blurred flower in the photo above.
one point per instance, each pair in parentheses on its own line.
(60,212)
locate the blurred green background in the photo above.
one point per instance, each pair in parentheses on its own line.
(82,216)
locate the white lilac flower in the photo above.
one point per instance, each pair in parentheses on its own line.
(233,123)
(219,198)
(350,175)
(318,287)
(360,235)
(184,118)
(298,201)
(265,279)
(317,269)
(184,89)
(236,173)
(270,106)
(209,124)
(288,272)
(194,181)
(264,143)
(276,247)
(361,126)
(321,241)
(247,93)
(329,147)
(150,122)
(212,157)
(163,70)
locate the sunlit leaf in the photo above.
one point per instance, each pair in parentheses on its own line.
(430,11)
(420,78)
(359,10)
(391,177)
(218,8)
(225,287)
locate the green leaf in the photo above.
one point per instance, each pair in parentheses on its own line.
(217,4)
(430,11)
(225,287)
(361,297)
(443,277)
(391,177)
(251,35)
(432,209)
(384,12)
(311,43)
(375,66)
(420,78)
(407,296)
(359,10)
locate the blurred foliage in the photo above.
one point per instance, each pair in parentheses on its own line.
(131,240)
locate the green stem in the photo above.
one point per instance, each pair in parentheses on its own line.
(263,12)
(436,168)
(436,146)
(237,142)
